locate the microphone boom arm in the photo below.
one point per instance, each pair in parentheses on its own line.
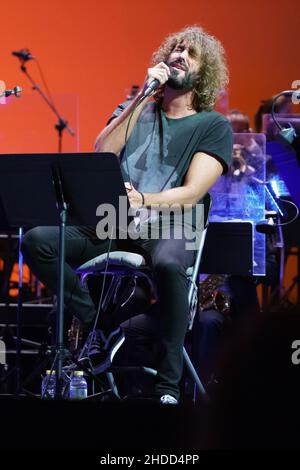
(62,123)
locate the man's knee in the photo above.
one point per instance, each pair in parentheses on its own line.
(34,240)
(167,267)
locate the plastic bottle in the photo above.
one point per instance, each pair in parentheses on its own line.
(78,386)
(49,385)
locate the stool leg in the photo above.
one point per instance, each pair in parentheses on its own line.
(112,384)
(192,371)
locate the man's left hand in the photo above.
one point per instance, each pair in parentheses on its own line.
(135,198)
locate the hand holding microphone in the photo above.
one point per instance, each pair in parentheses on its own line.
(156,77)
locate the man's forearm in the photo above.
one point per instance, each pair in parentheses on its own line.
(180,195)
(202,174)
(112,137)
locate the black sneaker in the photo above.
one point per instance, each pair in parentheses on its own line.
(100,350)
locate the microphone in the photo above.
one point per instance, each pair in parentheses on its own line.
(295,93)
(152,87)
(15,91)
(266,226)
(23,54)
(288,135)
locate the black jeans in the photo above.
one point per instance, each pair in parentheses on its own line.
(205,343)
(168,259)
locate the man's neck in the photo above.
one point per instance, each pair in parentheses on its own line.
(177,103)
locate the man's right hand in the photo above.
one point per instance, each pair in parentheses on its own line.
(160,72)
(112,137)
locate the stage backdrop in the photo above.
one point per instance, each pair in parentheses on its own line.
(92,51)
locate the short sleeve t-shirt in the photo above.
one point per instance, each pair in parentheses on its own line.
(160,149)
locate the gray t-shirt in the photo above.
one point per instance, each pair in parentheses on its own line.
(160,149)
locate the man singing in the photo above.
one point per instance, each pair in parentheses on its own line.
(177,147)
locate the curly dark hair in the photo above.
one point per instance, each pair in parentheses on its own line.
(213,72)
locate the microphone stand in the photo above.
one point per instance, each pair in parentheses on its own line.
(19,321)
(62,124)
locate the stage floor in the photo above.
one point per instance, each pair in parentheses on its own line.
(33,424)
(94,428)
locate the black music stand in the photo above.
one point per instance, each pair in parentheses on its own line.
(228,249)
(60,190)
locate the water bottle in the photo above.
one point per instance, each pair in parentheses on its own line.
(78,386)
(49,385)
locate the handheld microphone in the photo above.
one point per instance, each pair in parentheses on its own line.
(15,91)
(152,87)
(23,54)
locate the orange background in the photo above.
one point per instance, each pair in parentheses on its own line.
(92,52)
(96,50)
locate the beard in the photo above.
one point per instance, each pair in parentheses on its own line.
(186,83)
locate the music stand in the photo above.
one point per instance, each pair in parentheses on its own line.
(60,190)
